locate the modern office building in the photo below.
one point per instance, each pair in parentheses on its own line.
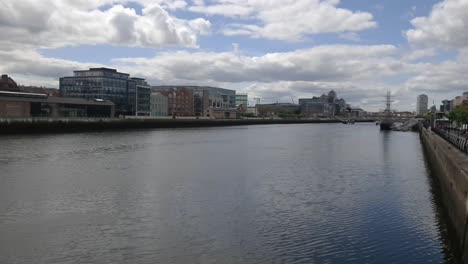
(324,105)
(445,106)
(106,84)
(422,105)
(242,99)
(313,106)
(159,104)
(143,97)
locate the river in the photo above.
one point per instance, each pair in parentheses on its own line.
(306,193)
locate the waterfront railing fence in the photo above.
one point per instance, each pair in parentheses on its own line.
(455,139)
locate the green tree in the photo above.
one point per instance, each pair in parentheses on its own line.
(460,115)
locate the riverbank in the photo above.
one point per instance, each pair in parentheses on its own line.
(451,170)
(25,126)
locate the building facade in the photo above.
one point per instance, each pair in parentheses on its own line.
(315,106)
(325,105)
(277,109)
(242,99)
(180,101)
(203,98)
(159,104)
(142,98)
(106,84)
(445,106)
(422,105)
(8,84)
(25,105)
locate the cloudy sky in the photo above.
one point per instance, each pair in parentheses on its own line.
(278,50)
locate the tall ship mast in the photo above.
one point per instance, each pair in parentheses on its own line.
(387,122)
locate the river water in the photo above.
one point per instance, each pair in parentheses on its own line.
(308,193)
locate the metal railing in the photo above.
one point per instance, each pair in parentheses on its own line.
(49,119)
(455,139)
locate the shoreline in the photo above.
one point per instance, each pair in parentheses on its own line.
(42,126)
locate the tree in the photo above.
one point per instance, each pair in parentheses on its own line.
(460,115)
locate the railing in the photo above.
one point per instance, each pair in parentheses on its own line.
(460,142)
(49,119)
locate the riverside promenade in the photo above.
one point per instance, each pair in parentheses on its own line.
(46,125)
(447,154)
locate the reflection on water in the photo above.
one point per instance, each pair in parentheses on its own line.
(315,193)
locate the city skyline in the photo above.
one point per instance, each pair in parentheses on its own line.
(362,50)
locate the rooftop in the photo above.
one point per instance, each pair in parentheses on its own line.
(42,98)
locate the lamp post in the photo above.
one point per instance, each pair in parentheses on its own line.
(136,100)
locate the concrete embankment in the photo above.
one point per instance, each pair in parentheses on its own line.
(451,169)
(78,125)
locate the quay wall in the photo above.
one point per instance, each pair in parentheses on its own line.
(451,170)
(25,126)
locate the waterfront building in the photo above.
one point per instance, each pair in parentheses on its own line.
(315,106)
(277,109)
(106,84)
(251,110)
(327,105)
(459,101)
(218,113)
(445,106)
(340,106)
(180,100)
(159,104)
(242,99)
(357,112)
(204,97)
(143,97)
(25,105)
(8,84)
(422,105)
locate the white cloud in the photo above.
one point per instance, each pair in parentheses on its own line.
(419,54)
(57,23)
(351,36)
(31,68)
(360,74)
(229,10)
(334,62)
(286,19)
(444,27)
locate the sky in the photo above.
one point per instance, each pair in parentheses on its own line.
(276,50)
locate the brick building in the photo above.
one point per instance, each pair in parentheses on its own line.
(180,101)
(8,84)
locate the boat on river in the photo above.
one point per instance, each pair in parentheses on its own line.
(387,122)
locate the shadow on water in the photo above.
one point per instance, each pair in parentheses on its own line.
(448,238)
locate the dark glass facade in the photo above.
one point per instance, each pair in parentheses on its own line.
(107,84)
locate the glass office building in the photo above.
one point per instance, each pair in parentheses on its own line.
(108,84)
(242,99)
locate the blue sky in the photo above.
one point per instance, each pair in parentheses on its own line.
(279,49)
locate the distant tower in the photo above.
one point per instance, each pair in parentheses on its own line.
(331,97)
(422,105)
